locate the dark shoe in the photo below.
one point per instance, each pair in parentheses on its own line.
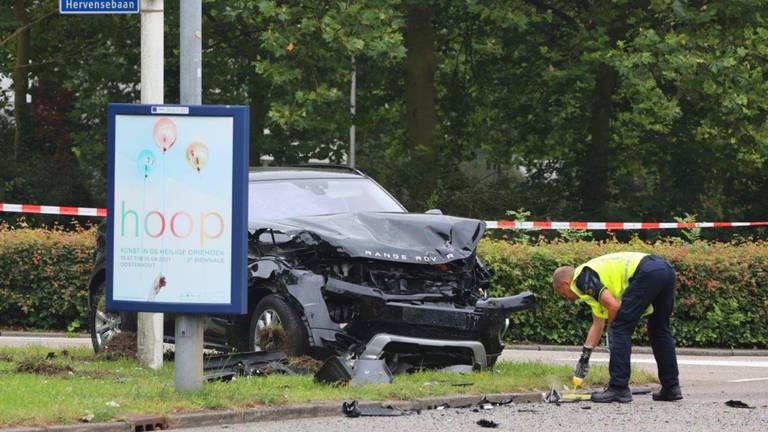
(671,393)
(612,394)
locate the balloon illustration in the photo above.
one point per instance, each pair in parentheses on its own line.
(165,133)
(197,155)
(147,162)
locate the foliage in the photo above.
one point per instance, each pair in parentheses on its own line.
(675,90)
(44,277)
(721,299)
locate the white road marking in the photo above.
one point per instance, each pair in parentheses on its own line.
(748,380)
(726,363)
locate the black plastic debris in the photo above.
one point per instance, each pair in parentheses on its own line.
(552,396)
(738,404)
(487,423)
(586,407)
(528,410)
(335,369)
(225,367)
(353,409)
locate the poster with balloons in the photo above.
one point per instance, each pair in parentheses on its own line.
(177,222)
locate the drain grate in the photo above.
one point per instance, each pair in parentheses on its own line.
(146,424)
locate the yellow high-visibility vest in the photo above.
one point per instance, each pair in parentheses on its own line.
(614,270)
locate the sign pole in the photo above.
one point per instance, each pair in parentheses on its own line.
(189,328)
(149,338)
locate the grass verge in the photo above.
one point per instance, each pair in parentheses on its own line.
(75,384)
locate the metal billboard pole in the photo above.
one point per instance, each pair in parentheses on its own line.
(149,338)
(189,328)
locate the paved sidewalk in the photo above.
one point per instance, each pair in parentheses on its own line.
(647,350)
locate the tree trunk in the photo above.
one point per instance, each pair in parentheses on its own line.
(420,66)
(420,97)
(259,109)
(20,75)
(595,163)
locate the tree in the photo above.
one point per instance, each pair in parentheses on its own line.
(20,72)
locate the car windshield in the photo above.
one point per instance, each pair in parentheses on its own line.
(280,199)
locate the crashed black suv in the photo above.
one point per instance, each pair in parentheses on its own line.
(343,268)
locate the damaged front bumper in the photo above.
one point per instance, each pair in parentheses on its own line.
(428,326)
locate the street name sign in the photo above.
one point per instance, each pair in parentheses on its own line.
(177,207)
(99,6)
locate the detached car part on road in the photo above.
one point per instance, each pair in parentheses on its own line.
(342,268)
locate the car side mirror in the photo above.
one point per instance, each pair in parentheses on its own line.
(434,212)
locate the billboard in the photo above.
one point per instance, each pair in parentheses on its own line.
(177,208)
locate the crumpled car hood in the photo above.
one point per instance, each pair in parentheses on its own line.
(399,237)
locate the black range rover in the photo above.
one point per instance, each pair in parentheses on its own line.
(343,268)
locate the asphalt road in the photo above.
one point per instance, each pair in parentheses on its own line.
(641,415)
(707,383)
(48,342)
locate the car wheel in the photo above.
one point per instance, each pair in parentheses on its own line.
(103,325)
(274,316)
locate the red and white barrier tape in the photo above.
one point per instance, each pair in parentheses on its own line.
(53,210)
(546,225)
(500,224)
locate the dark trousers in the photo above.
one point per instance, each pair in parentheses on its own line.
(652,284)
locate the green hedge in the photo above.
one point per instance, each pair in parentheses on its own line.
(44,278)
(722,295)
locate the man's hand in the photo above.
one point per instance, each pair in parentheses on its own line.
(582,366)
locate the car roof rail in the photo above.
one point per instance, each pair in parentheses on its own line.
(327,166)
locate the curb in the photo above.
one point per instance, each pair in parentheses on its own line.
(16,333)
(714,352)
(292,412)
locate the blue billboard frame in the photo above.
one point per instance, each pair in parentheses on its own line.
(238,283)
(98,7)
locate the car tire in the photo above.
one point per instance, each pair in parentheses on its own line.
(102,325)
(295,333)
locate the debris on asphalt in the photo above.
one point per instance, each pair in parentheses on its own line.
(586,407)
(552,396)
(528,410)
(487,423)
(353,409)
(738,404)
